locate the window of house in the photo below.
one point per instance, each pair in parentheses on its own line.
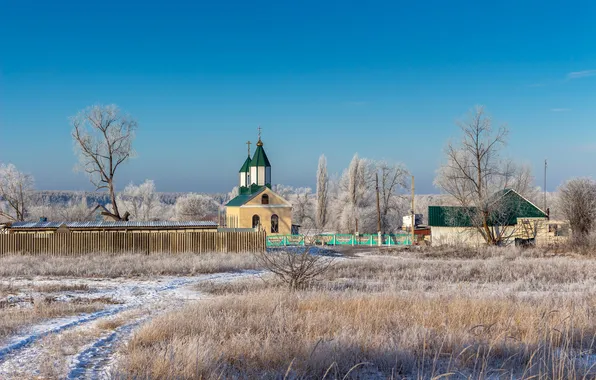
(265,199)
(274,224)
(256,221)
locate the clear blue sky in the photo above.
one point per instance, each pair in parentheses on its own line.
(384,79)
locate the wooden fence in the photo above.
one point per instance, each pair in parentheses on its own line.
(70,244)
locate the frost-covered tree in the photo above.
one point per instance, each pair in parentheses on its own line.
(354,202)
(15,193)
(142,201)
(193,207)
(322,193)
(75,210)
(577,199)
(103,137)
(284,191)
(303,208)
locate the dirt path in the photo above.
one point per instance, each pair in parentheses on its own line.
(46,350)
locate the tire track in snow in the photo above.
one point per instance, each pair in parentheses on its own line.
(91,362)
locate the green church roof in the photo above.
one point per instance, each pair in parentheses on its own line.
(241,199)
(246,166)
(260,158)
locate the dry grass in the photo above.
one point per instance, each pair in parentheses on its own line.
(15,318)
(56,288)
(501,314)
(262,333)
(103,265)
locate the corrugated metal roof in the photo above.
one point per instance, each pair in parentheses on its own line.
(119,224)
(509,206)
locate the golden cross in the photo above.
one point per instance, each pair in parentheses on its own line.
(248,143)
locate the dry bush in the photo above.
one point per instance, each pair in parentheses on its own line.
(298,268)
(104,265)
(260,335)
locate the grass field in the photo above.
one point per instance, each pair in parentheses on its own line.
(487,314)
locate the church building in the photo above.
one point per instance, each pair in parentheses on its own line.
(257,206)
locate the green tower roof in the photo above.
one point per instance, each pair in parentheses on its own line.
(260,158)
(246,166)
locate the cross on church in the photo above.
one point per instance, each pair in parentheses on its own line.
(248,143)
(259,129)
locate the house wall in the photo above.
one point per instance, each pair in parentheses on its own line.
(456,236)
(526,228)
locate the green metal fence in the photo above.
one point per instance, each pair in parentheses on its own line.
(340,239)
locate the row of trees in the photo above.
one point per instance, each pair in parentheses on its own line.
(20,202)
(474,170)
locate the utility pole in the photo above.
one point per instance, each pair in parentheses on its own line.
(413,214)
(378,209)
(545,166)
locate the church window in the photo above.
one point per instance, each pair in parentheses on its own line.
(274,224)
(256,221)
(265,199)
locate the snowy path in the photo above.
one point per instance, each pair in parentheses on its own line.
(22,356)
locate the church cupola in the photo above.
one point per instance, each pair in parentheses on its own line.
(245,170)
(260,168)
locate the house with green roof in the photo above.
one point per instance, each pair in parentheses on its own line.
(512,219)
(257,206)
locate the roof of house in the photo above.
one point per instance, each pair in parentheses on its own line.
(244,198)
(113,225)
(246,166)
(511,206)
(260,157)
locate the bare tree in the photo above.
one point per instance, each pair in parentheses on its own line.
(322,192)
(577,198)
(393,178)
(474,172)
(523,182)
(103,138)
(15,193)
(193,207)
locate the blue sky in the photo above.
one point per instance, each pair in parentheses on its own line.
(384,79)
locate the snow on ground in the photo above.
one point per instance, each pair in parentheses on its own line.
(21,356)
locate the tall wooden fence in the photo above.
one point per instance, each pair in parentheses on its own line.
(67,244)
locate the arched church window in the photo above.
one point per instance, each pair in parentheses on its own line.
(274,224)
(265,199)
(256,221)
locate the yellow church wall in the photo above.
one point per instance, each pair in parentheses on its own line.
(274,199)
(232,217)
(284,215)
(241,216)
